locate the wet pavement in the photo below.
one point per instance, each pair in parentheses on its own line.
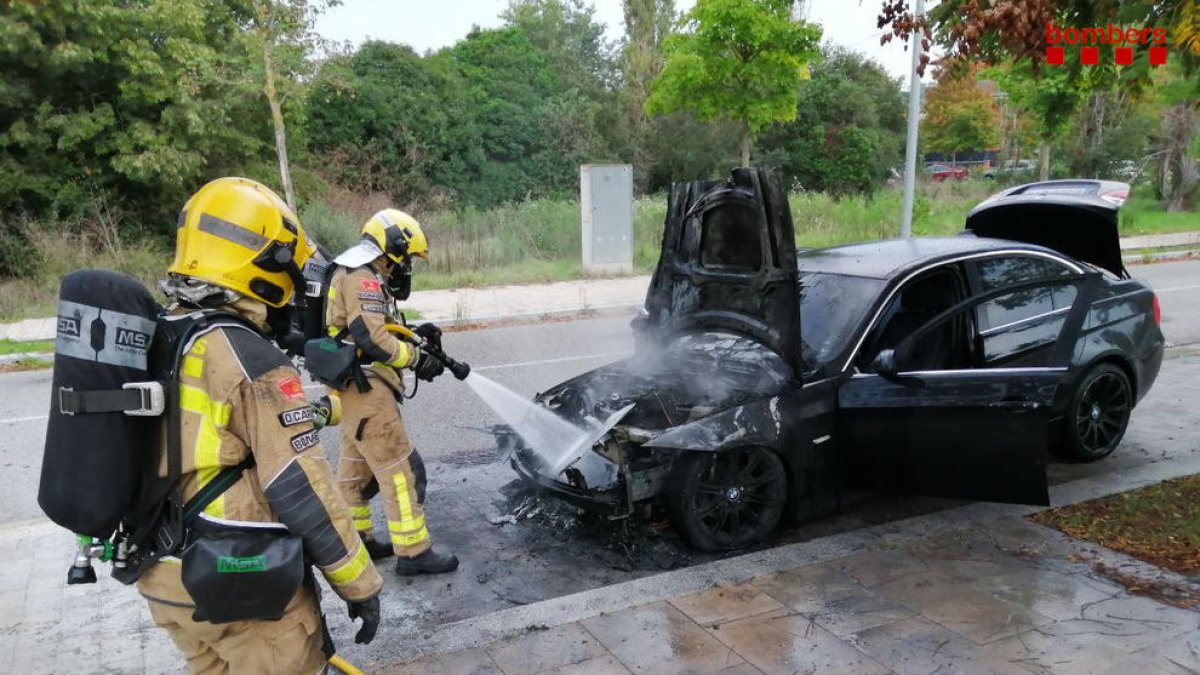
(1011,598)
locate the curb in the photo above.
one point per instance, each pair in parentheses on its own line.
(538,616)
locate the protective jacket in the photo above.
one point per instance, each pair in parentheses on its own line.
(241,396)
(360,304)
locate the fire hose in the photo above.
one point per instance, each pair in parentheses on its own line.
(458,368)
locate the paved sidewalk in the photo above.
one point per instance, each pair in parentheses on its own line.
(1004,600)
(1011,598)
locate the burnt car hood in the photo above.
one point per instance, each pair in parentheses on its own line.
(1081,226)
(690,377)
(728,263)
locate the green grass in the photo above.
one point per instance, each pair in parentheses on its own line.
(32,347)
(535,241)
(25,363)
(1143,215)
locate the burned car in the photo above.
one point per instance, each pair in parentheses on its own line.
(766,379)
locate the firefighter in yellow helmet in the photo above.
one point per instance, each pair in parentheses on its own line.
(376,452)
(239,253)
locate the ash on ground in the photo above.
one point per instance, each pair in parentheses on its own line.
(630,544)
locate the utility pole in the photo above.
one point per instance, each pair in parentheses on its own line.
(914,115)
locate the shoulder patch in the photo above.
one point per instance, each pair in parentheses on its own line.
(256,355)
(306,440)
(370,285)
(290,387)
(290,418)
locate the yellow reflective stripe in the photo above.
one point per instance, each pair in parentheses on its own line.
(402,500)
(332,292)
(334,330)
(200,346)
(404,355)
(409,525)
(193,366)
(410,539)
(351,569)
(213,415)
(361,511)
(363,525)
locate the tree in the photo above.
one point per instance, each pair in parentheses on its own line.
(1047,96)
(959,116)
(739,60)
(1177,143)
(982,31)
(647,24)
(510,85)
(387,120)
(282,41)
(120,100)
(849,127)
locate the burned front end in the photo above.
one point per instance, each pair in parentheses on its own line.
(627,405)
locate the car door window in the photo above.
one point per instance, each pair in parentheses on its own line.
(918,301)
(1014,327)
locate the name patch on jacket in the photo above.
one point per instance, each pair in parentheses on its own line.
(306,440)
(375,307)
(371,295)
(290,418)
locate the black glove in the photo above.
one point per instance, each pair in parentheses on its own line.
(428,367)
(368,611)
(430,334)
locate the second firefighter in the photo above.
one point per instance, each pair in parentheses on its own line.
(376,452)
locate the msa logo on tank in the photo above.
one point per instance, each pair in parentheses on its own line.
(103,335)
(230,564)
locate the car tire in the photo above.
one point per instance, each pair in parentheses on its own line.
(1097,415)
(720,501)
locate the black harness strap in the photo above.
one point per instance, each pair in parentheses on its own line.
(71,402)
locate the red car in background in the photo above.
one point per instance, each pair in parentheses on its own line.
(941,172)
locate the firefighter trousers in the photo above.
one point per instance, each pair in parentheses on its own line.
(291,645)
(375,447)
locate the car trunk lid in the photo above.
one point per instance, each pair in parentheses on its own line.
(728,262)
(1081,226)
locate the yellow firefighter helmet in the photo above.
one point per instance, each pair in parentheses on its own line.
(238,234)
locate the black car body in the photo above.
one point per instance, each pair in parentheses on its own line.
(765,379)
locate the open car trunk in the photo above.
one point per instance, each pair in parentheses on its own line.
(728,263)
(1081,226)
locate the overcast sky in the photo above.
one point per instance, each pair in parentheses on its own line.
(426,25)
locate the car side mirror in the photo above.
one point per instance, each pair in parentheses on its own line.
(884,364)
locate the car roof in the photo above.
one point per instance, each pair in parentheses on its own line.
(887,258)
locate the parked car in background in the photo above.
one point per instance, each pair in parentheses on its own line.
(941,172)
(1111,191)
(1014,167)
(765,379)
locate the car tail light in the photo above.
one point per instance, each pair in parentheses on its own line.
(1157,311)
(1117,197)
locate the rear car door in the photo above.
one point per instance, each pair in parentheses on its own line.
(977,432)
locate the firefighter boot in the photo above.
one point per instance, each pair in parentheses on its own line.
(377,549)
(429,562)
